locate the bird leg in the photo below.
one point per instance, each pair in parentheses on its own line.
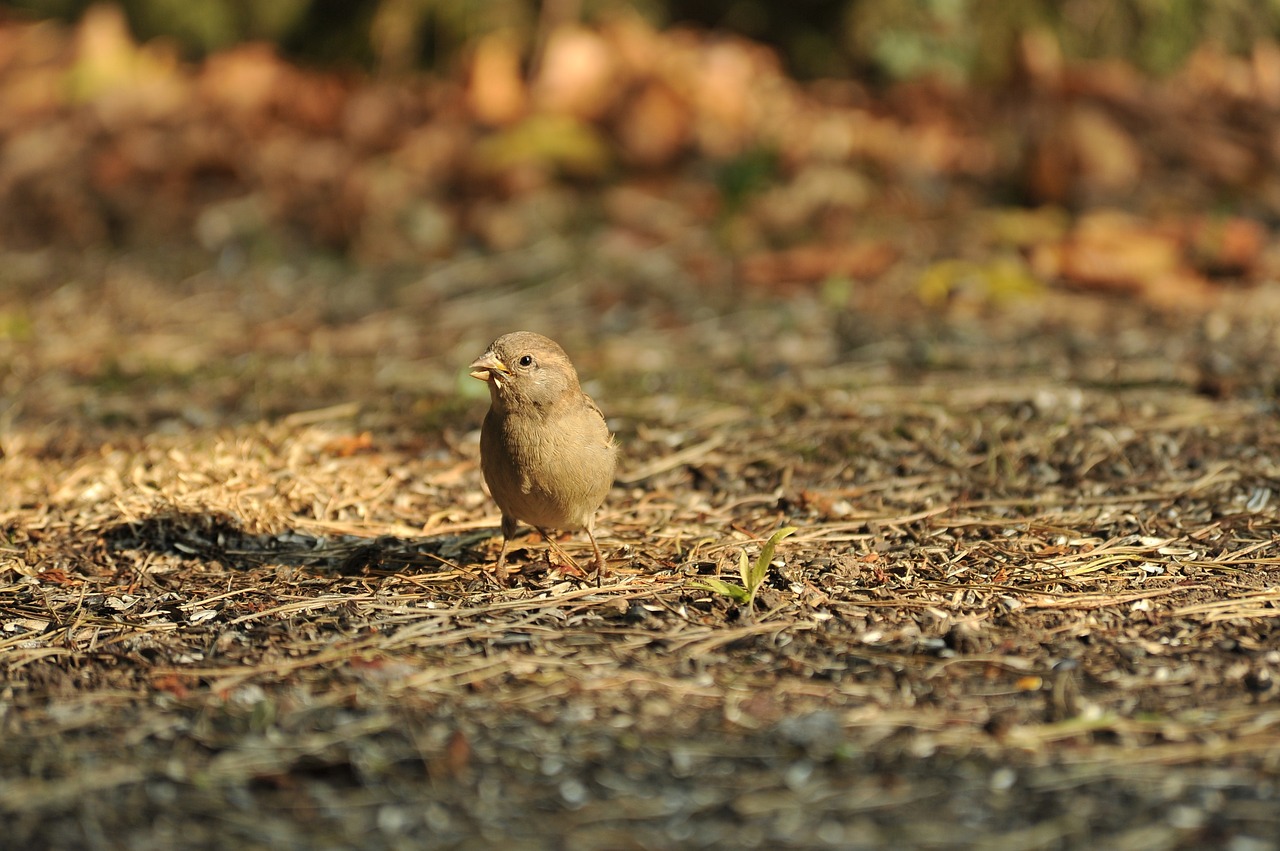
(599,559)
(501,570)
(509,525)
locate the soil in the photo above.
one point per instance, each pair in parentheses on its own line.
(246,582)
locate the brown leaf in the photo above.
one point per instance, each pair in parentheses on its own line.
(1231,246)
(172,684)
(243,79)
(578,74)
(372,117)
(351,444)
(1110,250)
(736,85)
(495,91)
(1108,157)
(58,576)
(810,264)
(1266,72)
(457,755)
(1083,153)
(1179,290)
(654,126)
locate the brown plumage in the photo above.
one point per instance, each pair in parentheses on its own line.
(545,449)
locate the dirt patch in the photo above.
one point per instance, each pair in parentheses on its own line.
(1032,600)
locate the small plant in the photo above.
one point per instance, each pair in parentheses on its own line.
(752,574)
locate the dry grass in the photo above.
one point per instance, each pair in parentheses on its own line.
(245,599)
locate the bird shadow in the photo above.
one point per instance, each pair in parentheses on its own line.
(217,536)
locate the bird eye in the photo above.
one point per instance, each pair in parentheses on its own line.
(526,360)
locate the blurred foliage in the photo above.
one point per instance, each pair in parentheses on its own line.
(995,281)
(559,142)
(693,138)
(887,39)
(746,175)
(899,39)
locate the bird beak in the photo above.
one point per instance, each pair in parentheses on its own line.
(487,367)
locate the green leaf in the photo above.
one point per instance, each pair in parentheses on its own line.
(551,141)
(766,552)
(735,592)
(753,576)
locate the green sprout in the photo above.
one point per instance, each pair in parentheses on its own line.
(752,574)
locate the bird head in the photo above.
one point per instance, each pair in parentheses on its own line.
(525,369)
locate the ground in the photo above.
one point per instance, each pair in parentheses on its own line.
(247,599)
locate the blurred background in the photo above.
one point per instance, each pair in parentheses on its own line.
(981,295)
(814,38)
(192,193)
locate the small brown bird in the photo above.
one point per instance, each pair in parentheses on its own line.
(545,449)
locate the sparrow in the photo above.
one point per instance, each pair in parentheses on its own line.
(545,450)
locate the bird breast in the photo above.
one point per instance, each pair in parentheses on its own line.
(547,473)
